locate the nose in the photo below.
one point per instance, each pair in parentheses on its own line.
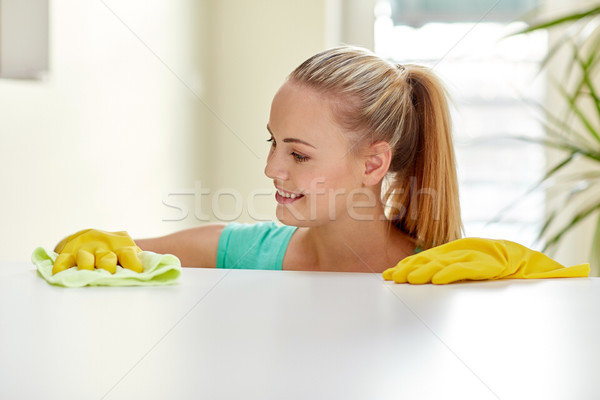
(275,168)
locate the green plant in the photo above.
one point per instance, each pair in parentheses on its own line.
(576,134)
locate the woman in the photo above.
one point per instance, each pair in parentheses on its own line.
(363,165)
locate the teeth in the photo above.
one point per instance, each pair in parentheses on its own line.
(288,195)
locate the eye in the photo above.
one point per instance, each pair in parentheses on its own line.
(299,157)
(272,141)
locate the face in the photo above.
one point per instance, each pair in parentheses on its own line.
(310,160)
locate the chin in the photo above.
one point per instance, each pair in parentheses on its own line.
(296,218)
(287,219)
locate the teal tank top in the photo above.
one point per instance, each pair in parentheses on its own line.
(253,246)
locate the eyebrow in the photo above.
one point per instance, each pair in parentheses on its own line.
(292,140)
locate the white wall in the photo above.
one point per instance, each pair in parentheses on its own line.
(139,104)
(101,140)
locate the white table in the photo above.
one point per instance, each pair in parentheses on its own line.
(298,335)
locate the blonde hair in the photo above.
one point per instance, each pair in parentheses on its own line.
(407,107)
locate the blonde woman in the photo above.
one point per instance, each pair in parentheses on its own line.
(363,165)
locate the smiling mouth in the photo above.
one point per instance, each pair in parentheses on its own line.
(283,197)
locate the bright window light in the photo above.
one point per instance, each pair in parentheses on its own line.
(495,83)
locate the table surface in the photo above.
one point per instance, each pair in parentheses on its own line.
(233,334)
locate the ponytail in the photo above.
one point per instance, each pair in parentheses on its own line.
(405,106)
(422,196)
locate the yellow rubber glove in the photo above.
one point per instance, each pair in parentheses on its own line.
(92,248)
(479,259)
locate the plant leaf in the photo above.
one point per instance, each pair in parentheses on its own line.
(547,223)
(595,255)
(560,129)
(581,176)
(565,146)
(581,216)
(561,20)
(580,114)
(548,174)
(587,78)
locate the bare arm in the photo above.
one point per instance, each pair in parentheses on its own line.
(195,247)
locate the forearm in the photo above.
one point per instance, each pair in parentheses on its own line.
(195,247)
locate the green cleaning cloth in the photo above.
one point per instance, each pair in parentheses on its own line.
(159,269)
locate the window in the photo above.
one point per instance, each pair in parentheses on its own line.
(495,84)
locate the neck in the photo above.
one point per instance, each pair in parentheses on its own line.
(357,245)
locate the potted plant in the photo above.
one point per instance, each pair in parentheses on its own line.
(574,133)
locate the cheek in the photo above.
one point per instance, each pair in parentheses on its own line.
(333,178)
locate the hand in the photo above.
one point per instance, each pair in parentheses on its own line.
(91,248)
(479,259)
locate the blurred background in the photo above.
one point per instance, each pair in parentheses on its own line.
(150,116)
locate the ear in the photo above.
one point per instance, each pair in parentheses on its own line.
(378,157)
